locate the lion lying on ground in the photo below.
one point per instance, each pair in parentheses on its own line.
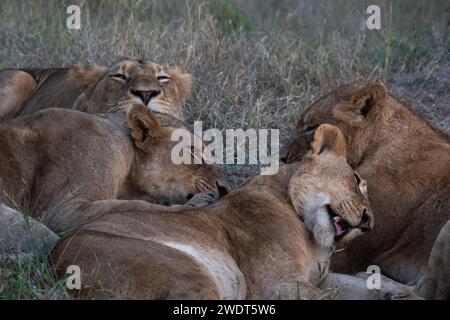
(435,282)
(94,90)
(68,173)
(407,166)
(263,241)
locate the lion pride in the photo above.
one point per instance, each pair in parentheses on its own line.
(406,163)
(96,89)
(262,241)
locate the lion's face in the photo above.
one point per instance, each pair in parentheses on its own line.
(330,196)
(127,81)
(351,108)
(156,178)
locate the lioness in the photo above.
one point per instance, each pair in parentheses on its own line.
(407,166)
(435,283)
(68,173)
(262,241)
(94,90)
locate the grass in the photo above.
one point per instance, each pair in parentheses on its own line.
(27,277)
(324,272)
(256,64)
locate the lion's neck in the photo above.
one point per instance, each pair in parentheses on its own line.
(278,183)
(262,232)
(403,136)
(403,163)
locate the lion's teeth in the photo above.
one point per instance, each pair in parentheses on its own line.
(337,226)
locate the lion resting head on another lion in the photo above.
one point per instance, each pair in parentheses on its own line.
(262,241)
(406,163)
(89,164)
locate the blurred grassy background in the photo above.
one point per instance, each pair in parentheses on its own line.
(256,64)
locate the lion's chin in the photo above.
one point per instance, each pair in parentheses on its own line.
(327,237)
(328,228)
(349,236)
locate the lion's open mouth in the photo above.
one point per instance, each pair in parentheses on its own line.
(341,227)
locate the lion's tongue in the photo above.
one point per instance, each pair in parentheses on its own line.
(337,226)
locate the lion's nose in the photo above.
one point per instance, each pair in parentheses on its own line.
(145,95)
(365,224)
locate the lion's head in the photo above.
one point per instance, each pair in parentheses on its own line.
(104,89)
(331,197)
(155,177)
(354,109)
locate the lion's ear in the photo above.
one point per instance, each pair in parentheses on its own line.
(356,111)
(86,77)
(183,82)
(328,138)
(144,126)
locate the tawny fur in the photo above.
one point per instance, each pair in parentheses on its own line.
(15,89)
(67,174)
(250,244)
(95,89)
(87,77)
(406,163)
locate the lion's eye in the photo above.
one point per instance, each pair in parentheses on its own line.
(310,129)
(163,78)
(119,76)
(362,186)
(358,179)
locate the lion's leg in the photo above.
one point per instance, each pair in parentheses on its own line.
(435,283)
(105,206)
(356,288)
(15,88)
(80,211)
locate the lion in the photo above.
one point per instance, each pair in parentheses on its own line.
(435,282)
(90,164)
(262,241)
(96,89)
(406,163)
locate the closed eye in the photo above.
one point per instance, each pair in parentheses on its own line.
(311,129)
(119,76)
(362,186)
(196,154)
(358,179)
(163,78)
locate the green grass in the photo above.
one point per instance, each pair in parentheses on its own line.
(256,64)
(24,275)
(324,272)
(27,277)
